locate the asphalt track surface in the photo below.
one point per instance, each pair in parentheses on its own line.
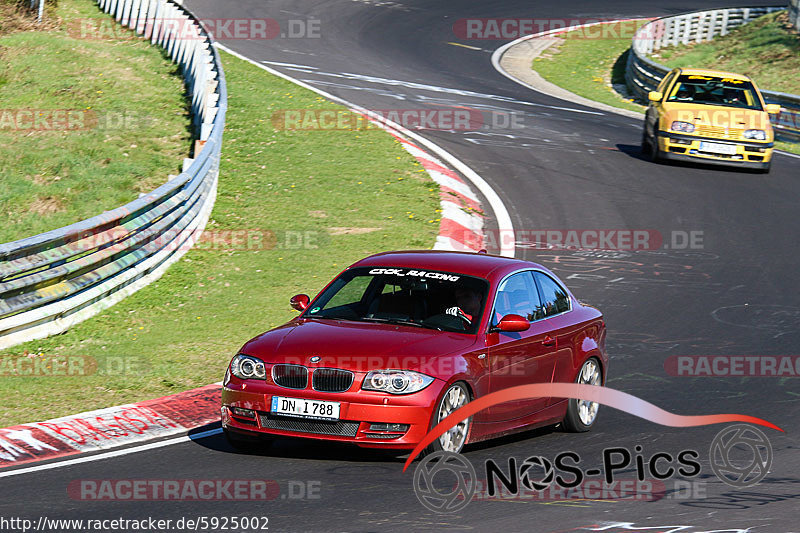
(566,169)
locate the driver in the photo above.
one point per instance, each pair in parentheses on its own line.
(468,304)
(685,93)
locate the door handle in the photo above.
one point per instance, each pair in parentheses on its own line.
(549,341)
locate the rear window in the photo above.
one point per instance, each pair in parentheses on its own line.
(712,90)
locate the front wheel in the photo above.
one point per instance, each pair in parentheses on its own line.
(455,397)
(581,414)
(655,152)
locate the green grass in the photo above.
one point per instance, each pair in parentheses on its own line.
(588,63)
(357,192)
(137,129)
(766,49)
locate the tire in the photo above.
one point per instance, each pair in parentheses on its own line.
(246,443)
(581,414)
(457,395)
(764,170)
(655,153)
(645,143)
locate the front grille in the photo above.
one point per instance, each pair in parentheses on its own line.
(331,380)
(342,428)
(384,435)
(290,376)
(718,132)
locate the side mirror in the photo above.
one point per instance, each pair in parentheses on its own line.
(512,323)
(299,302)
(773,109)
(654,96)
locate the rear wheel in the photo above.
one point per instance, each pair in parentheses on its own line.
(581,414)
(455,397)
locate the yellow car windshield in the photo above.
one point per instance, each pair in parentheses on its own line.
(712,90)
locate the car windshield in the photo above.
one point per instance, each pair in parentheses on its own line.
(414,297)
(712,90)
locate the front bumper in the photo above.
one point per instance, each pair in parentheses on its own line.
(681,147)
(358,410)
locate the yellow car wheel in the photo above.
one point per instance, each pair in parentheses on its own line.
(650,147)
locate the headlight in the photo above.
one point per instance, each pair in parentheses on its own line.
(685,127)
(759,135)
(246,367)
(396,381)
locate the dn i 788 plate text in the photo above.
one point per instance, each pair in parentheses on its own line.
(304,408)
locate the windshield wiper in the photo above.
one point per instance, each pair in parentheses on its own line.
(392,321)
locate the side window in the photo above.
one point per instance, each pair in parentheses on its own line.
(555,299)
(516,295)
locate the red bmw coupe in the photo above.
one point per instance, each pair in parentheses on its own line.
(400,340)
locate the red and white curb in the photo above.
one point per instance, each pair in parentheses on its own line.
(110,427)
(461,226)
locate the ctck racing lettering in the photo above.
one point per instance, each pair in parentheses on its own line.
(414,273)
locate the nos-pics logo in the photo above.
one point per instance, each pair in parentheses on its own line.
(445,482)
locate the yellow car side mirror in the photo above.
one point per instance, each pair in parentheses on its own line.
(654,96)
(773,109)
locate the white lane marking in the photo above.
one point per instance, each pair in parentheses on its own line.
(448,90)
(278,63)
(787,153)
(373,90)
(498,208)
(109,455)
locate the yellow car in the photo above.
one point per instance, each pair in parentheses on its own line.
(711,117)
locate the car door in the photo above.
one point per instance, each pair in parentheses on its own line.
(519,358)
(555,313)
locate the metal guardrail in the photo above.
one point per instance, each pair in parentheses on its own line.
(54,280)
(643,75)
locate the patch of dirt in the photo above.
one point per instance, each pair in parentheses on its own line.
(46,205)
(350,231)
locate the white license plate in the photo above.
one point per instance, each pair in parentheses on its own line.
(718,148)
(304,408)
